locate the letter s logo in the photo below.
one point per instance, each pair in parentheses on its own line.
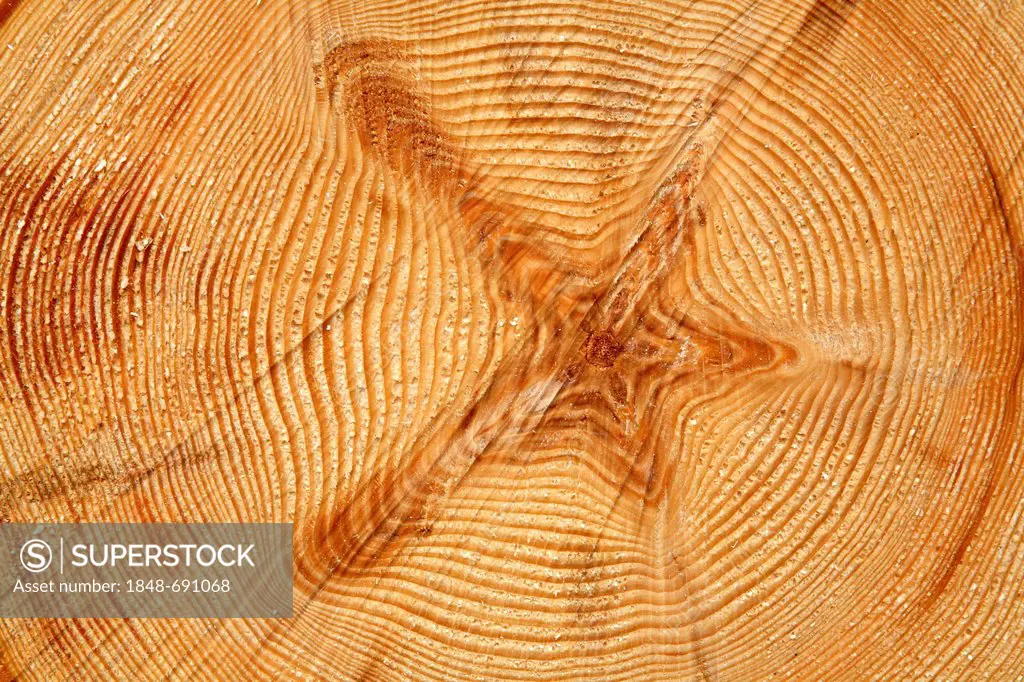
(36,556)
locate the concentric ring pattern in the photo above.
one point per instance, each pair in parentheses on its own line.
(607,340)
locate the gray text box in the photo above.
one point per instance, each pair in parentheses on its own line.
(145,570)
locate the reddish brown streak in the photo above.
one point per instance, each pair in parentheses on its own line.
(7,8)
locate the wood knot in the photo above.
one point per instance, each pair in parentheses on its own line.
(602,349)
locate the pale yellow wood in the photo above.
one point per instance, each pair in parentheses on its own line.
(579,340)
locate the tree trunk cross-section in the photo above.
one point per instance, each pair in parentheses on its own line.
(653,340)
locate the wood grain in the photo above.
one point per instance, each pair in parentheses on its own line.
(608,340)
